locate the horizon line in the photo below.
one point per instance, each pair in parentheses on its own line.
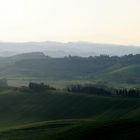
(68,42)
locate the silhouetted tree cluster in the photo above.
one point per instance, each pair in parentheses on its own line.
(88,88)
(102,90)
(40,87)
(128,92)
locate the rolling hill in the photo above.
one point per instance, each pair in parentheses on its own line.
(59,115)
(75,129)
(105,70)
(112,71)
(18,107)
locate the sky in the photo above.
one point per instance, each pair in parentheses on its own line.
(102,21)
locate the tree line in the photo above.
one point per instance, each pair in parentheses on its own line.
(102,90)
(88,88)
(128,92)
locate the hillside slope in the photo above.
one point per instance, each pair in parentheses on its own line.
(58,115)
(129,74)
(76,130)
(18,108)
(101,70)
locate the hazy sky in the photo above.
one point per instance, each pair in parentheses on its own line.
(103,21)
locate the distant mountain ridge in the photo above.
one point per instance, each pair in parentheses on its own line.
(57,49)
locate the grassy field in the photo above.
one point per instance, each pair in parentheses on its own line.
(76,130)
(61,115)
(18,107)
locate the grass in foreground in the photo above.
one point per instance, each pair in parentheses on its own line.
(109,118)
(75,130)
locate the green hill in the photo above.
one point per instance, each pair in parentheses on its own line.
(121,75)
(59,115)
(100,69)
(111,71)
(76,130)
(18,107)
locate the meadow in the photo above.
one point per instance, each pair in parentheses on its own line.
(59,114)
